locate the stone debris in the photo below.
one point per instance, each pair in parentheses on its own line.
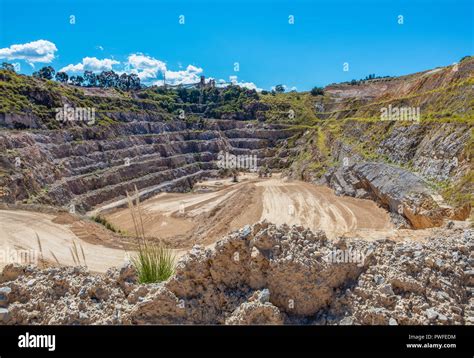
(262,274)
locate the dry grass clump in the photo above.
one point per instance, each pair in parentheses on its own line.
(153,261)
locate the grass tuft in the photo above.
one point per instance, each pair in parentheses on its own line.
(153,261)
(40,248)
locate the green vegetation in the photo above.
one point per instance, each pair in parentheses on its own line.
(46,73)
(112,95)
(105,79)
(460,192)
(103,221)
(279,88)
(153,261)
(371,77)
(292,107)
(317,91)
(39,96)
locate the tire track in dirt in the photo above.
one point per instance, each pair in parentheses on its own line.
(206,217)
(184,219)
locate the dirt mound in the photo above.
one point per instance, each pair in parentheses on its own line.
(65,219)
(263,274)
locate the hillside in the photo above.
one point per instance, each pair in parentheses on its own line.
(444,93)
(332,177)
(166,139)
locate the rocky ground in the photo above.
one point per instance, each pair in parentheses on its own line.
(263,274)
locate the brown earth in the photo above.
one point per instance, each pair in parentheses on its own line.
(18,230)
(203,217)
(214,209)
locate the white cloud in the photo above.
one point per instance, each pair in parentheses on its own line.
(193,69)
(148,69)
(144,66)
(184,77)
(91,64)
(31,52)
(248,85)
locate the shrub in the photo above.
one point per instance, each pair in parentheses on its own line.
(103,221)
(279,88)
(317,91)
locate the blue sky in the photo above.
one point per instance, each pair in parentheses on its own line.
(145,37)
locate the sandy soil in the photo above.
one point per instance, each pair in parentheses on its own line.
(317,207)
(57,233)
(203,217)
(18,231)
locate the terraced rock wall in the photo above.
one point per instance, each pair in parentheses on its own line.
(88,166)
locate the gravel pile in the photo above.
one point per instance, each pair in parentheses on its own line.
(263,274)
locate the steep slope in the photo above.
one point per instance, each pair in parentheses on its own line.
(445,93)
(403,167)
(431,155)
(86,166)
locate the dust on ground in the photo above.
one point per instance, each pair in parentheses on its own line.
(217,207)
(212,210)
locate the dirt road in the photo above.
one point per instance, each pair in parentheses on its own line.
(18,231)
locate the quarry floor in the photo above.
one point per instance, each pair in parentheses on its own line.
(211,210)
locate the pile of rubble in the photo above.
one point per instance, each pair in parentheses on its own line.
(262,274)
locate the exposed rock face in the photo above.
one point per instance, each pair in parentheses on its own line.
(436,152)
(393,163)
(87,166)
(433,91)
(396,189)
(265,275)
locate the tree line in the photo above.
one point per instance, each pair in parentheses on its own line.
(106,79)
(124,81)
